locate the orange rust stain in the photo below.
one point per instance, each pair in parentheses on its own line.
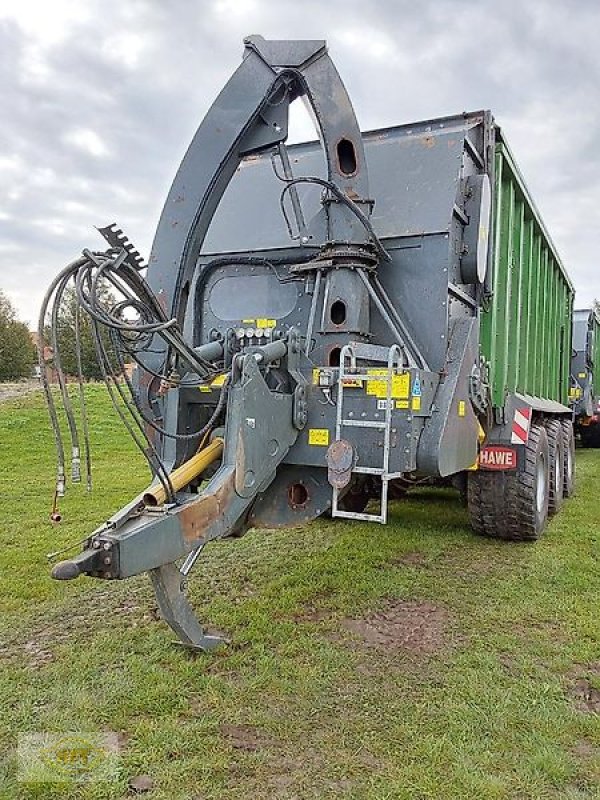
(196,517)
(428,141)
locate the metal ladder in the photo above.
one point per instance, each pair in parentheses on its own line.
(349,370)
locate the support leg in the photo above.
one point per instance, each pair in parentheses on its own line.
(168,584)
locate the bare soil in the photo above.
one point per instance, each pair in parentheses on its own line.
(417,627)
(585,696)
(244,737)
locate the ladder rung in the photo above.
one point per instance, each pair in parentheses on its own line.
(364,517)
(364,423)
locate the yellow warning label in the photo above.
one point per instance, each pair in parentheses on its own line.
(216,382)
(582,374)
(462,408)
(400,384)
(351,383)
(248,321)
(315,376)
(416,402)
(266,323)
(318,436)
(402,403)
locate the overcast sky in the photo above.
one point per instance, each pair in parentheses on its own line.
(99,100)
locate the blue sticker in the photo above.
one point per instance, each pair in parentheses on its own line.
(416,390)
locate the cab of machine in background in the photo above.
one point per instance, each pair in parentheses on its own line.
(584,393)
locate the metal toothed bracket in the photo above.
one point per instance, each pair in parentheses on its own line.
(117,239)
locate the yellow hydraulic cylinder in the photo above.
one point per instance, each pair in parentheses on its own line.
(180,477)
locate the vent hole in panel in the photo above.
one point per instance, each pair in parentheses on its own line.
(337,312)
(346,157)
(334,356)
(297,494)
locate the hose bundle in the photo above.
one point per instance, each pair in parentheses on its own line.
(123,330)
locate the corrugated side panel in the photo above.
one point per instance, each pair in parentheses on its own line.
(526,331)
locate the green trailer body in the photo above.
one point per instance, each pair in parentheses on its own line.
(526,326)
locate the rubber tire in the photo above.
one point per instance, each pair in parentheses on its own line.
(502,504)
(569,449)
(590,435)
(556,452)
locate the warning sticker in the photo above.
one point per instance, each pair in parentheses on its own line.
(266,323)
(416,402)
(401,403)
(215,383)
(400,384)
(462,408)
(318,436)
(416,390)
(582,374)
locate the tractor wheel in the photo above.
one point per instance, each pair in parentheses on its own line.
(513,505)
(556,453)
(569,471)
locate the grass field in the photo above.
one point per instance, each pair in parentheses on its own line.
(407,661)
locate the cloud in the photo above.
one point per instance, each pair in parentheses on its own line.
(101,99)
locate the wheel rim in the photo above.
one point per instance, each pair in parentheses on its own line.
(569,463)
(540,493)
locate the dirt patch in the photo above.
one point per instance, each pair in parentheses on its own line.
(585,750)
(311,614)
(411,559)
(244,737)
(417,627)
(37,654)
(586,696)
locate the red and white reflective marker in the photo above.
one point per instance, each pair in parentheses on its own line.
(520,426)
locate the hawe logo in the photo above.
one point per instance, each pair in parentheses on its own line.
(497,457)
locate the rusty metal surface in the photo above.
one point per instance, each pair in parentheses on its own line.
(197,518)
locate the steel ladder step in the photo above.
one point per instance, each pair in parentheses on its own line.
(364,423)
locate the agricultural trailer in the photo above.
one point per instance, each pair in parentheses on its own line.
(320,326)
(585,376)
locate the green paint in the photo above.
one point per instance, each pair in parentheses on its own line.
(524,332)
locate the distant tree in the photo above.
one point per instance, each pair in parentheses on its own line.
(67,340)
(17,353)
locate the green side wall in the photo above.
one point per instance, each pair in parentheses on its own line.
(526,330)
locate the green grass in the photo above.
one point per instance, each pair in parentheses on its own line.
(299,706)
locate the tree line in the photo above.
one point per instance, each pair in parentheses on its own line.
(18,354)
